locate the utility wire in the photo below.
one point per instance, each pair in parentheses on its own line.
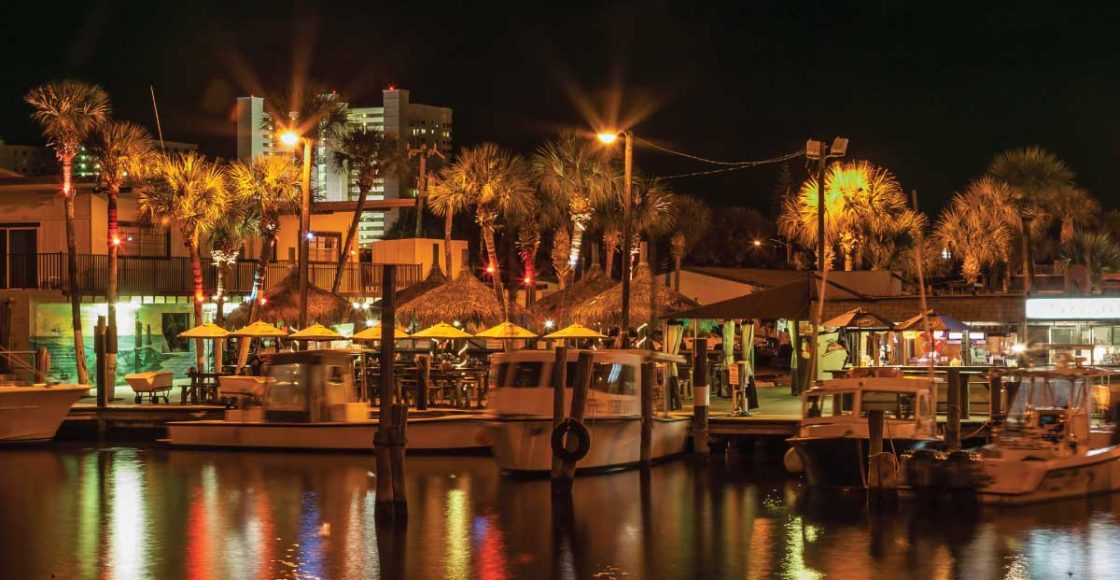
(711,161)
(743,165)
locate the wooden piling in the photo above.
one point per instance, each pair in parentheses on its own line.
(579,404)
(953,410)
(386,505)
(137,344)
(42,364)
(880,466)
(99,364)
(423,378)
(644,455)
(559,379)
(995,397)
(700,398)
(396,459)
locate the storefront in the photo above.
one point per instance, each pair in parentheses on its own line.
(1086,327)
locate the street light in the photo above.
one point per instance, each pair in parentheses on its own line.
(608,138)
(291,138)
(818,150)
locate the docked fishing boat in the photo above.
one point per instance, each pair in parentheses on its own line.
(307,400)
(832,443)
(34,413)
(1051,446)
(521,398)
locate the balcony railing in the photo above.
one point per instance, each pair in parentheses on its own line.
(156,276)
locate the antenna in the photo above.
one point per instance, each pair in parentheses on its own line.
(159,129)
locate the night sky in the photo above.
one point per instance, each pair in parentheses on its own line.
(931,90)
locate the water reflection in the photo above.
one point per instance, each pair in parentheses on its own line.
(154,513)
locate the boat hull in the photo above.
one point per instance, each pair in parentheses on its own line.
(1027,482)
(525,445)
(434,434)
(35,413)
(841,462)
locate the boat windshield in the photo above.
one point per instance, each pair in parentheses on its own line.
(614,378)
(894,404)
(829,405)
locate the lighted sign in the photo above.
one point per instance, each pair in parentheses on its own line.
(1073,308)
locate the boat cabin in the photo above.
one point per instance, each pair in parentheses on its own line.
(309,386)
(841,406)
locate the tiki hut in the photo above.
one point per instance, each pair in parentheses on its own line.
(435,279)
(556,306)
(466,299)
(282,305)
(606,307)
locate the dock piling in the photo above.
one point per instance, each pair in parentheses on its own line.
(423,379)
(995,397)
(953,410)
(559,379)
(700,398)
(579,404)
(388,443)
(644,455)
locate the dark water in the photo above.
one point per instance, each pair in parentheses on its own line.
(83,512)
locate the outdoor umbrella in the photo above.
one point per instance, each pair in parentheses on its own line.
(859,318)
(506,330)
(441,330)
(210,331)
(575,331)
(374,333)
(936,322)
(258,329)
(316,332)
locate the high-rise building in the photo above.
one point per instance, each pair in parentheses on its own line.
(86,167)
(414,123)
(27,160)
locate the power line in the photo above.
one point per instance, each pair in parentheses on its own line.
(697,158)
(743,165)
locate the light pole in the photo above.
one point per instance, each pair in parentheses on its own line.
(291,138)
(818,150)
(608,138)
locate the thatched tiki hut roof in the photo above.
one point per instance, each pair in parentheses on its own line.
(435,279)
(606,307)
(282,305)
(466,299)
(558,305)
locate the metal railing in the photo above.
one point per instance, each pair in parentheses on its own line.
(172,276)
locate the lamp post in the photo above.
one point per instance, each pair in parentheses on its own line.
(608,138)
(291,138)
(818,150)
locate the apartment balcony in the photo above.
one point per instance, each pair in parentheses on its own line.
(157,276)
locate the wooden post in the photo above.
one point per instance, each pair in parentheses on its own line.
(700,396)
(1010,391)
(396,458)
(137,344)
(644,457)
(953,410)
(423,377)
(963,399)
(874,448)
(42,364)
(559,379)
(995,394)
(579,403)
(99,364)
(383,440)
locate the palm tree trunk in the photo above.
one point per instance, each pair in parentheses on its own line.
(344,252)
(448,221)
(579,226)
(72,270)
(677,272)
(1028,265)
(220,290)
(258,276)
(610,247)
(492,256)
(111,285)
(196,272)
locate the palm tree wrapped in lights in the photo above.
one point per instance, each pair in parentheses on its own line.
(239,223)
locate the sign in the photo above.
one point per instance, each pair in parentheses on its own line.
(1073,308)
(733,374)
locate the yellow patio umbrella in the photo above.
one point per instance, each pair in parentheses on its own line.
(575,331)
(211,331)
(315,332)
(506,330)
(259,329)
(374,333)
(441,330)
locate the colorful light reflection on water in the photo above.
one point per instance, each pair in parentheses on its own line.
(79,512)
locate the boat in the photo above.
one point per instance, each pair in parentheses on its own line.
(521,399)
(34,413)
(831,445)
(1051,446)
(307,400)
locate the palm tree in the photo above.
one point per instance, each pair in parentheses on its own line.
(1098,251)
(498,186)
(651,211)
(979,228)
(578,176)
(227,234)
(1073,207)
(1032,175)
(692,217)
(372,155)
(312,111)
(68,111)
(190,192)
(272,182)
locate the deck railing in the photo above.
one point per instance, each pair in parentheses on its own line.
(172,276)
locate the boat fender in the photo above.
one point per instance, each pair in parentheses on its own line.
(792,461)
(571,428)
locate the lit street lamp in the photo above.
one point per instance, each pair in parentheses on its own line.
(608,138)
(291,138)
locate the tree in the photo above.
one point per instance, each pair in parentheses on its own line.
(227,234)
(693,217)
(190,192)
(122,151)
(272,182)
(730,240)
(579,177)
(1073,208)
(498,185)
(1098,251)
(651,211)
(370,155)
(312,111)
(979,228)
(67,112)
(448,196)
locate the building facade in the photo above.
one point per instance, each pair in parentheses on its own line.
(27,160)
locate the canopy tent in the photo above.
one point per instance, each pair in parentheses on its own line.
(574,331)
(281,304)
(374,333)
(860,319)
(936,322)
(506,331)
(465,299)
(441,330)
(791,301)
(316,332)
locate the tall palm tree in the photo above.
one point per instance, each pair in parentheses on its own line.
(651,212)
(1032,175)
(979,227)
(316,113)
(1073,208)
(692,217)
(448,196)
(577,175)
(189,191)
(498,186)
(1098,251)
(123,152)
(371,155)
(68,111)
(239,223)
(272,182)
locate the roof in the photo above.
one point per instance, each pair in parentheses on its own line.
(791,301)
(998,308)
(873,282)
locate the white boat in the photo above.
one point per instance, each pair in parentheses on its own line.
(831,445)
(1047,449)
(521,399)
(33,413)
(307,400)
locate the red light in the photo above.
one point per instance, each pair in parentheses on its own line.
(263,300)
(199,297)
(392,86)
(491,269)
(528,280)
(116,241)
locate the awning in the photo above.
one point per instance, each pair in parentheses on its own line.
(791,301)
